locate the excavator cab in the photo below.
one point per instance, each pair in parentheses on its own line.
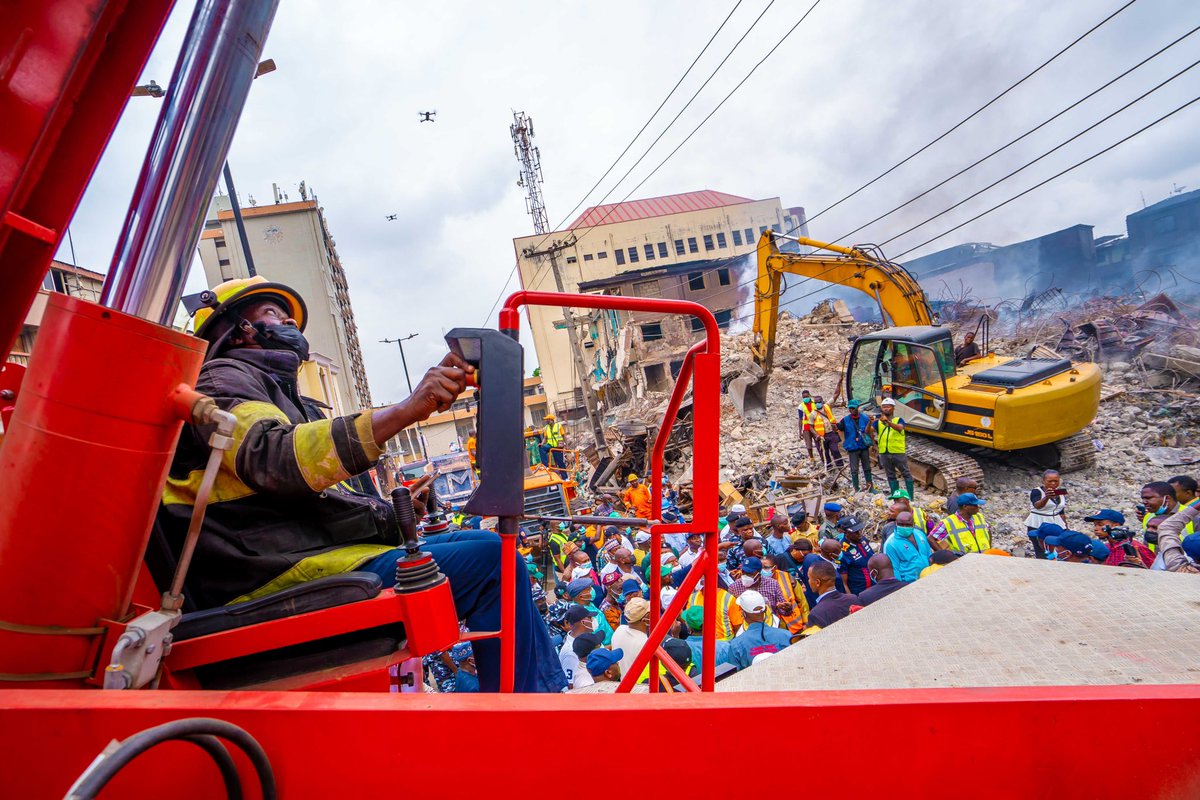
(908,364)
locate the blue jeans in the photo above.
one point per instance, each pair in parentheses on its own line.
(471,560)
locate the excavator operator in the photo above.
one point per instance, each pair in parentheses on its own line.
(280,512)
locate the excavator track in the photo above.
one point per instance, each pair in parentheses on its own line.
(1076,452)
(938,467)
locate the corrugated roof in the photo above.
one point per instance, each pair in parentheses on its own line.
(655,207)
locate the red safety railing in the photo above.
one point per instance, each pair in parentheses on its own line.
(702,367)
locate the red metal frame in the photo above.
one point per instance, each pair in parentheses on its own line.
(334,744)
(701,364)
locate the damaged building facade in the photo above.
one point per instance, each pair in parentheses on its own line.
(639,246)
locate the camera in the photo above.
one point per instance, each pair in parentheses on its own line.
(1118,534)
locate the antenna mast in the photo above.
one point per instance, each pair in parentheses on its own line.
(531,170)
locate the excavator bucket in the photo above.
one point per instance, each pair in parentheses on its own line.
(749,394)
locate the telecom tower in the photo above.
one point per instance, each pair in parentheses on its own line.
(531,181)
(531,170)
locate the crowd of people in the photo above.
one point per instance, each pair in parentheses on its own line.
(790,575)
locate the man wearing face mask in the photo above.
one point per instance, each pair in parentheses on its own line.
(754,579)
(581,591)
(1159,499)
(283,514)
(907,548)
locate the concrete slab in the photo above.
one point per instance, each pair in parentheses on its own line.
(995,621)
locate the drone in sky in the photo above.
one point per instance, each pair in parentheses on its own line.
(427,116)
(392,217)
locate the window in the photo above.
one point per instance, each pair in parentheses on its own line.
(696,281)
(721,240)
(571,259)
(587,256)
(662,249)
(602,254)
(646,289)
(697,325)
(737,238)
(776,228)
(692,245)
(633,255)
(749,236)
(649,252)
(762,229)
(651,332)
(723,276)
(620,254)
(224,262)
(679,247)
(219,242)
(724,318)
(708,243)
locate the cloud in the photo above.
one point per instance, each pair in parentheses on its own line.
(856,88)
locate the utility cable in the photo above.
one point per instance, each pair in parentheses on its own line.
(976,112)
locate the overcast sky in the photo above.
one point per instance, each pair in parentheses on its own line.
(858,86)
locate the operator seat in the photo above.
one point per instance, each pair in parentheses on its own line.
(286,662)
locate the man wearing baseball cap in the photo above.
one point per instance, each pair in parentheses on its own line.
(756,637)
(583,646)
(282,514)
(1103,523)
(890,440)
(857,439)
(579,622)
(966,530)
(630,637)
(1071,546)
(605,665)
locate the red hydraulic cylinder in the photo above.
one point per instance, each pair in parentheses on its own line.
(83,463)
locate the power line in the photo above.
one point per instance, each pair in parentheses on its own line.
(976,112)
(1053,177)
(641,130)
(1030,163)
(1024,135)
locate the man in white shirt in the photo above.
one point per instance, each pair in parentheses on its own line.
(580,621)
(630,637)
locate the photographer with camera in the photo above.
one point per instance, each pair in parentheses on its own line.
(1048,503)
(1123,548)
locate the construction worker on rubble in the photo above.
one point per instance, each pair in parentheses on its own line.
(890,440)
(857,439)
(806,407)
(637,497)
(281,514)
(553,441)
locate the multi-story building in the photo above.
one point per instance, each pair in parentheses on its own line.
(291,244)
(62,278)
(632,236)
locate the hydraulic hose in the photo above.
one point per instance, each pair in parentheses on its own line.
(201,731)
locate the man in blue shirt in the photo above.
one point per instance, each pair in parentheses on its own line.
(856,438)
(757,638)
(856,552)
(907,548)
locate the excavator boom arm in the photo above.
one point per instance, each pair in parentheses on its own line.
(900,298)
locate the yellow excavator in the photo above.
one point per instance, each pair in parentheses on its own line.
(1035,406)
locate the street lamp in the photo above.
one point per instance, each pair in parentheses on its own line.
(408,380)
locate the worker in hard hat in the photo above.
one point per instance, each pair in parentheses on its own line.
(637,497)
(280,513)
(554,439)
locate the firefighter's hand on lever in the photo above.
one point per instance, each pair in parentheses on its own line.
(439,387)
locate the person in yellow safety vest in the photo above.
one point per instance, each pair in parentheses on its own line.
(890,442)
(729,620)
(805,408)
(553,440)
(1160,501)
(794,621)
(826,430)
(966,530)
(637,497)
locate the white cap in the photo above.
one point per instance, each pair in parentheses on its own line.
(667,595)
(761,657)
(752,602)
(887,401)
(641,536)
(738,508)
